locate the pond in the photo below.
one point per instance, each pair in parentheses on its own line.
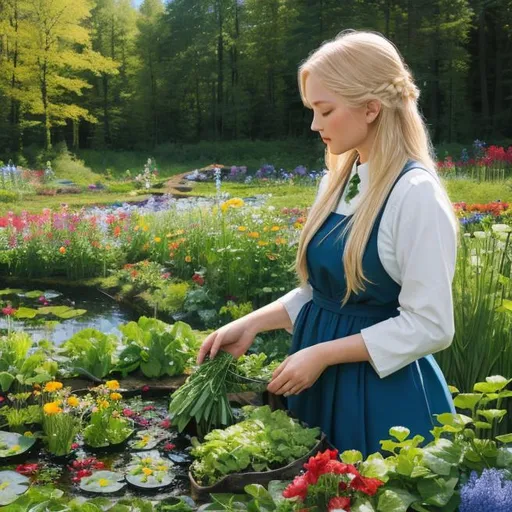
(61,312)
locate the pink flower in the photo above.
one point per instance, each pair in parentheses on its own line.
(27,469)
(9,310)
(128,413)
(145,389)
(165,423)
(169,446)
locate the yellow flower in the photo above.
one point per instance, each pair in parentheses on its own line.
(136,228)
(145,247)
(261,243)
(253,234)
(298,225)
(28,434)
(236,202)
(52,386)
(145,228)
(242,228)
(16,448)
(73,401)
(162,467)
(157,239)
(103,404)
(265,229)
(275,228)
(116,396)
(179,232)
(113,385)
(280,241)
(51,408)
(147,471)
(103,482)
(188,258)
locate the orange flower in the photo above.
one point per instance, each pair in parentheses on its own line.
(261,243)
(280,241)
(242,228)
(275,228)
(157,239)
(52,386)
(116,396)
(73,401)
(113,385)
(117,231)
(62,250)
(253,234)
(52,408)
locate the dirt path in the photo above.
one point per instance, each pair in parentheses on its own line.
(178,185)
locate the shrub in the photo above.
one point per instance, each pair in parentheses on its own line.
(8,196)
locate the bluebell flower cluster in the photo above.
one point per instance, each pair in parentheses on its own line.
(488,492)
(476,218)
(479,148)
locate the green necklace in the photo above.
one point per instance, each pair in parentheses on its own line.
(353,187)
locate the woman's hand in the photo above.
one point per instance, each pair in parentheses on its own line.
(235,338)
(298,371)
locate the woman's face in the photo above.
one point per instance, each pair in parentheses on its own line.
(341,127)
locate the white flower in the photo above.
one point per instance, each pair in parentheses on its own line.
(501,228)
(480,234)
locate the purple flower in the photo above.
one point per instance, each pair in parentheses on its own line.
(489,491)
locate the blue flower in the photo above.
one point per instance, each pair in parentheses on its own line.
(485,493)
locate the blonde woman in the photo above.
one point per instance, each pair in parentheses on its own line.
(376,258)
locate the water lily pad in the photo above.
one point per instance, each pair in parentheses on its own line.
(24,312)
(34,294)
(12,444)
(64,312)
(103,482)
(148,439)
(10,291)
(148,470)
(12,485)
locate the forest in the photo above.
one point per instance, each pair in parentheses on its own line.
(109,75)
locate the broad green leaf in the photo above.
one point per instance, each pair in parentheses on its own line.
(400,433)
(437,491)
(351,456)
(492,414)
(12,444)
(6,379)
(103,482)
(34,294)
(467,400)
(505,438)
(362,505)
(482,425)
(12,485)
(492,384)
(395,500)
(441,455)
(453,390)
(10,291)
(25,313)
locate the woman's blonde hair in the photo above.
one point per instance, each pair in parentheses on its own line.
(359,67)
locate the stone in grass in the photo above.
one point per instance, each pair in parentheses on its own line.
(148,470)
(103,482)
(12,444)
(12,485)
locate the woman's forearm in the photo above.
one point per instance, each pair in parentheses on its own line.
(351,349)
(268,318)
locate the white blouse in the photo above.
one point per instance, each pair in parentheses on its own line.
(417,245)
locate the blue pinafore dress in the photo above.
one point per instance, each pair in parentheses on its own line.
(350,402)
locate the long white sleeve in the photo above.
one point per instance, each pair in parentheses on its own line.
(417,245)
(296,298)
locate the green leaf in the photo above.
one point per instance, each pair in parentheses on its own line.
(505,438)
(12,485)
(34,294)
(71,313)
(399,433)
(492,384)
(395,500)
(6,379)
(483,425)
(437,491)
(103,482)
(25,313)
(351,456)
(10,291)
(492,414)
(453,390)
(441,456)
(467,400)
(362,505)
(12,444)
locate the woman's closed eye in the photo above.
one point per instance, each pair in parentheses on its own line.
(327,113)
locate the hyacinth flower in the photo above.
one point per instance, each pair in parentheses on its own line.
(488,491)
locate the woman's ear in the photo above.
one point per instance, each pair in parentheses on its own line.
(373,108)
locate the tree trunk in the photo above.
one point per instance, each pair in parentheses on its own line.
(107,136)
(498,87)
(483,66)
(220,69)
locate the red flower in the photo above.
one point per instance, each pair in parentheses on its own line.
(145,389)
(198,279)
(339,503)
(9,310)
(74,446)
(82,473)
(165,423)
(128,413)
(319,465)
(149,408)
(169,447)
(368,486)
(27,469)
(299,487)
